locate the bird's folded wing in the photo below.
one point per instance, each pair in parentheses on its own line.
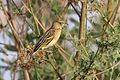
(44,40)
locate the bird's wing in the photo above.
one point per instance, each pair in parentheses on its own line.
(45,39)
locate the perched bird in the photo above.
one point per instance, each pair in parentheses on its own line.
(50,37)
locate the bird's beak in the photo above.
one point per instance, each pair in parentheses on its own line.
(66,24)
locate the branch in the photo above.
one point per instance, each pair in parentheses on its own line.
(34,17)
(26,73)
(15,34)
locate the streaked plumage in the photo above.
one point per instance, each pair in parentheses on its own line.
(50,37)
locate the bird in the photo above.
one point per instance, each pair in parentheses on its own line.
(50,37)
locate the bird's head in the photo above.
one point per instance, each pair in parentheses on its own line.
(59,24)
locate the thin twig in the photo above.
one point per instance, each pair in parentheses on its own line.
(31,9)
(105,18)
(14,70)
(89,66)
(15,34)
(109,68)
(63,54)
(109,8)
(62,14)
(75,10)
(82,20)
(55,69)
(26,75)
(34,17)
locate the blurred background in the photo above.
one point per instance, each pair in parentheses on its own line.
(89,42)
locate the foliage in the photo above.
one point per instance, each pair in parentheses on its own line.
(96,58)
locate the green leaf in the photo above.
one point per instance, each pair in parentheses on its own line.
(10,47)
(30,37)
(116,55)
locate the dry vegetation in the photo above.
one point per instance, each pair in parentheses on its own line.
(88,49)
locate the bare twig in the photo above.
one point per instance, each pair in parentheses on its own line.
(55,69)
(26,73)
(82,20)
(36,22)
(109,8)
(34,17)
(14,71)
(75,10)
(15,34)
(89,66)
(105,18)
(109,68)
(63,54)
(114,13)
(81,36)
(62,14)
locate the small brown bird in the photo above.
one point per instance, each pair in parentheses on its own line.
(50,37)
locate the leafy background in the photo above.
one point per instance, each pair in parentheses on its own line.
(93,56)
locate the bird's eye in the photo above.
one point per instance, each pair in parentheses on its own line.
(60,22)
